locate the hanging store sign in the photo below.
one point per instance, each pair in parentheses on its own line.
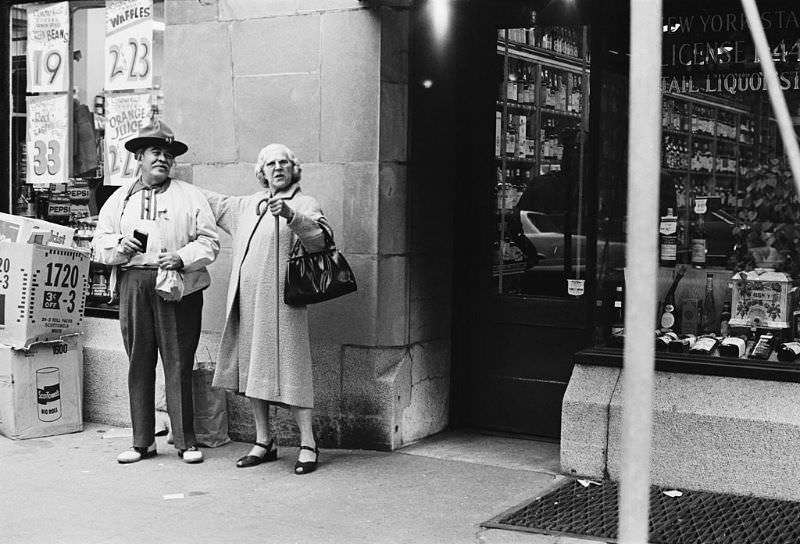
(129,45)
(47,145)
(48,48)
(714,52)
(125,113)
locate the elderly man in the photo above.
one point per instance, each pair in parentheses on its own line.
(152,225)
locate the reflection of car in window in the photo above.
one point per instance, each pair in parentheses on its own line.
(547,237)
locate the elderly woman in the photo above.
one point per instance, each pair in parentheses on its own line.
(247,361)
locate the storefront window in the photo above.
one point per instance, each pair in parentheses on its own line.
(540,142)
(85,75)
(729,248)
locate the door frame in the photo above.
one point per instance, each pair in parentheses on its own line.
(472,243)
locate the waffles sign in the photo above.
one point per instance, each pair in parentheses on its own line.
(129,45)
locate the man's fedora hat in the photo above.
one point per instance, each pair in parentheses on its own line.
(156,133)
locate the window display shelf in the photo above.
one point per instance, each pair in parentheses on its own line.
(772,370)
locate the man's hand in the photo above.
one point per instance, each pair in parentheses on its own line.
(170,261)
(128,245)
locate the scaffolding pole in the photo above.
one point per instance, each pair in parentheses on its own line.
(644,159)
(776,97)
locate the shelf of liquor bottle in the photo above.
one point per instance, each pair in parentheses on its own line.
(530,108)
(100,308)
(560,113)
(516,106)
(545,56)
(508,269)
(516,160)
(769,369)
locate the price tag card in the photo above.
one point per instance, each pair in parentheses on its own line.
(47,145)
(125,113)
(129,45)
(48,48)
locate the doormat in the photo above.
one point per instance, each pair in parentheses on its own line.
(691,517)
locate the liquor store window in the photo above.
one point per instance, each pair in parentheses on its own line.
(729,227)
(84,76)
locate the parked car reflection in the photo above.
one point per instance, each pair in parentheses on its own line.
(548,239)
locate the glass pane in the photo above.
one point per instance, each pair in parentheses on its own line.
(729,247)
(541,110)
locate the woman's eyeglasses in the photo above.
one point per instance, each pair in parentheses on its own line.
(283,163)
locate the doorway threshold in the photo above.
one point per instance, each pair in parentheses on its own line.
(492,450)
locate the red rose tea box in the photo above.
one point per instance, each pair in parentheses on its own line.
(42,292)
(41,389)
(761,299)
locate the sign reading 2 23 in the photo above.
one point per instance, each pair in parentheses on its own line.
(129,45)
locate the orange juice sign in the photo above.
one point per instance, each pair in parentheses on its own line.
(125,113)
(48,48)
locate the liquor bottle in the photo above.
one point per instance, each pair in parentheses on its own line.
(724,319)
(668,318)
(733,346)
(663,342)
(708,315)
(704,345)
(789,351)
(25,206)
(763,346)
(699,242)
(617,311)
(683,344)
(668,243)
(512,87)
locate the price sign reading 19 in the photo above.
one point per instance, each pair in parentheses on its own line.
(46,66)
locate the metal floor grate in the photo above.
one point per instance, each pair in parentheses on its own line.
(696,517)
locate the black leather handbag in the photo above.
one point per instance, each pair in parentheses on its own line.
(317,277)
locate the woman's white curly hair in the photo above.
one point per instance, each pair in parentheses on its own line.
(261,162)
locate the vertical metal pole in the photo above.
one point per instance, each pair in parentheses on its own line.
(772,83)
(644,159)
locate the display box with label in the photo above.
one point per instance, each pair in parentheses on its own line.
(42,292)
(25,230)
(761,299)
(41,389)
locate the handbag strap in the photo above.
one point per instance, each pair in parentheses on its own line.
(327,232)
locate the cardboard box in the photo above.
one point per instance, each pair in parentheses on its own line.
(41,389)
(42,293)
(25,230)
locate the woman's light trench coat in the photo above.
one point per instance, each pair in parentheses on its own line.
(256,377)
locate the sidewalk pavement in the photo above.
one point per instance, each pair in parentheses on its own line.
(69,489)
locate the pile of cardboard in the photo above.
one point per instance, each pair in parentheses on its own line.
(43,283)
